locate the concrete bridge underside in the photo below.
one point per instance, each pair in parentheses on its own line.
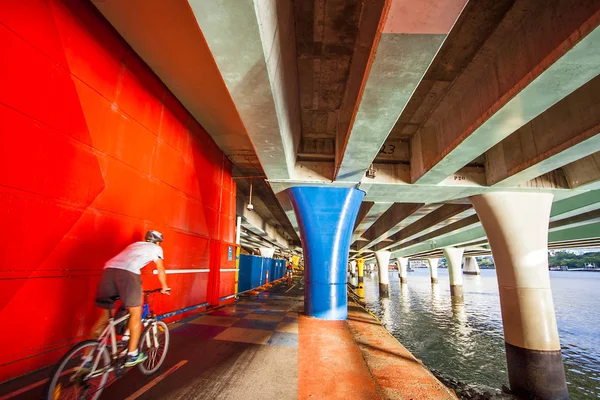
(442,113)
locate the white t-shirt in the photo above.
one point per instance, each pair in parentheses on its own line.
(135,257)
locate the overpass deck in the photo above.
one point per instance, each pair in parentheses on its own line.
(263,347)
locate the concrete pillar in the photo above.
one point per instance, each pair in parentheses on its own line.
(471,266)
(433,264)
(403,269)
(326,217)
(360,263)
(383,261)
(353,268)
(516,225)
(454,260)
(267,252)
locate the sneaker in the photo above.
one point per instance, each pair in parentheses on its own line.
(135,360)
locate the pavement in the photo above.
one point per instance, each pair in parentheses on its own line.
(263,347)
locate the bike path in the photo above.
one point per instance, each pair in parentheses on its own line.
(263,347)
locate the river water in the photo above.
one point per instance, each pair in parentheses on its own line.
(465,341)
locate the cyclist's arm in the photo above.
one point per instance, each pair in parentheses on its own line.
(162,276)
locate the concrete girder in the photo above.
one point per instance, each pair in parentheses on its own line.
(253,43)
(565,133)
(507,85)
(416,215)
(412,35)
(467,234)
(455,227)
(363,211)
(437,216)
(578,220)
(373,215)
(388,220)
(584,173)
(165,35)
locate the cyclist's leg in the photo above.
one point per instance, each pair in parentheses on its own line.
(100,324)
(106,288)
(135,327)
(130,290)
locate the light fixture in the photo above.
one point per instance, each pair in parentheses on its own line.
(250,207)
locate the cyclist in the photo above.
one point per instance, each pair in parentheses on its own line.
(121,277)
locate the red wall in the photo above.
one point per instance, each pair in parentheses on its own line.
(94,151)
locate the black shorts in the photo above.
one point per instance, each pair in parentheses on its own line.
(122,283)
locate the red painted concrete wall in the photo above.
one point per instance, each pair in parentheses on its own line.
(94,151)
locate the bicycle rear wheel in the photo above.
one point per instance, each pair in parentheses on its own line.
(71,380)
(155,343)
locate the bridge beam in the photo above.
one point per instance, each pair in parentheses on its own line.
(494,96)
(516,225)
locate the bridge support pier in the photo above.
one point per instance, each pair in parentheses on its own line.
(433,264)
(516,225)
(454,259)
(471,266)
(383,262)
(360,263)
(403,269)
(326,217)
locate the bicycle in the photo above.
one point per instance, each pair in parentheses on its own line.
(289,278)
(73,379)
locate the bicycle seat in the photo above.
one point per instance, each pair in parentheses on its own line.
(108,300)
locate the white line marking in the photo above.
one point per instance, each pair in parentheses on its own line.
(32,386)
(156,380)
(291,288)
(182,271)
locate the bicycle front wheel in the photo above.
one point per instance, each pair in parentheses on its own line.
(73,379)
(155,343)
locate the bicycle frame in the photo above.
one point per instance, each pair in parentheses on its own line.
(108,333)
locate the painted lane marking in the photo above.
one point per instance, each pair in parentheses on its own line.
(32,386)
(291,288)
(156,380)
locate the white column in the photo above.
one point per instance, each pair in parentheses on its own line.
(516,225)
(238,230)
(403,269)
(454,260)
(267,252)
(471,266)
(353,268)
(383,261)
(433,264)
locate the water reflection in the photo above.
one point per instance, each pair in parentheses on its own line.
(465,339)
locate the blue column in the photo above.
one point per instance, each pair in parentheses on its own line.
(326,218)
